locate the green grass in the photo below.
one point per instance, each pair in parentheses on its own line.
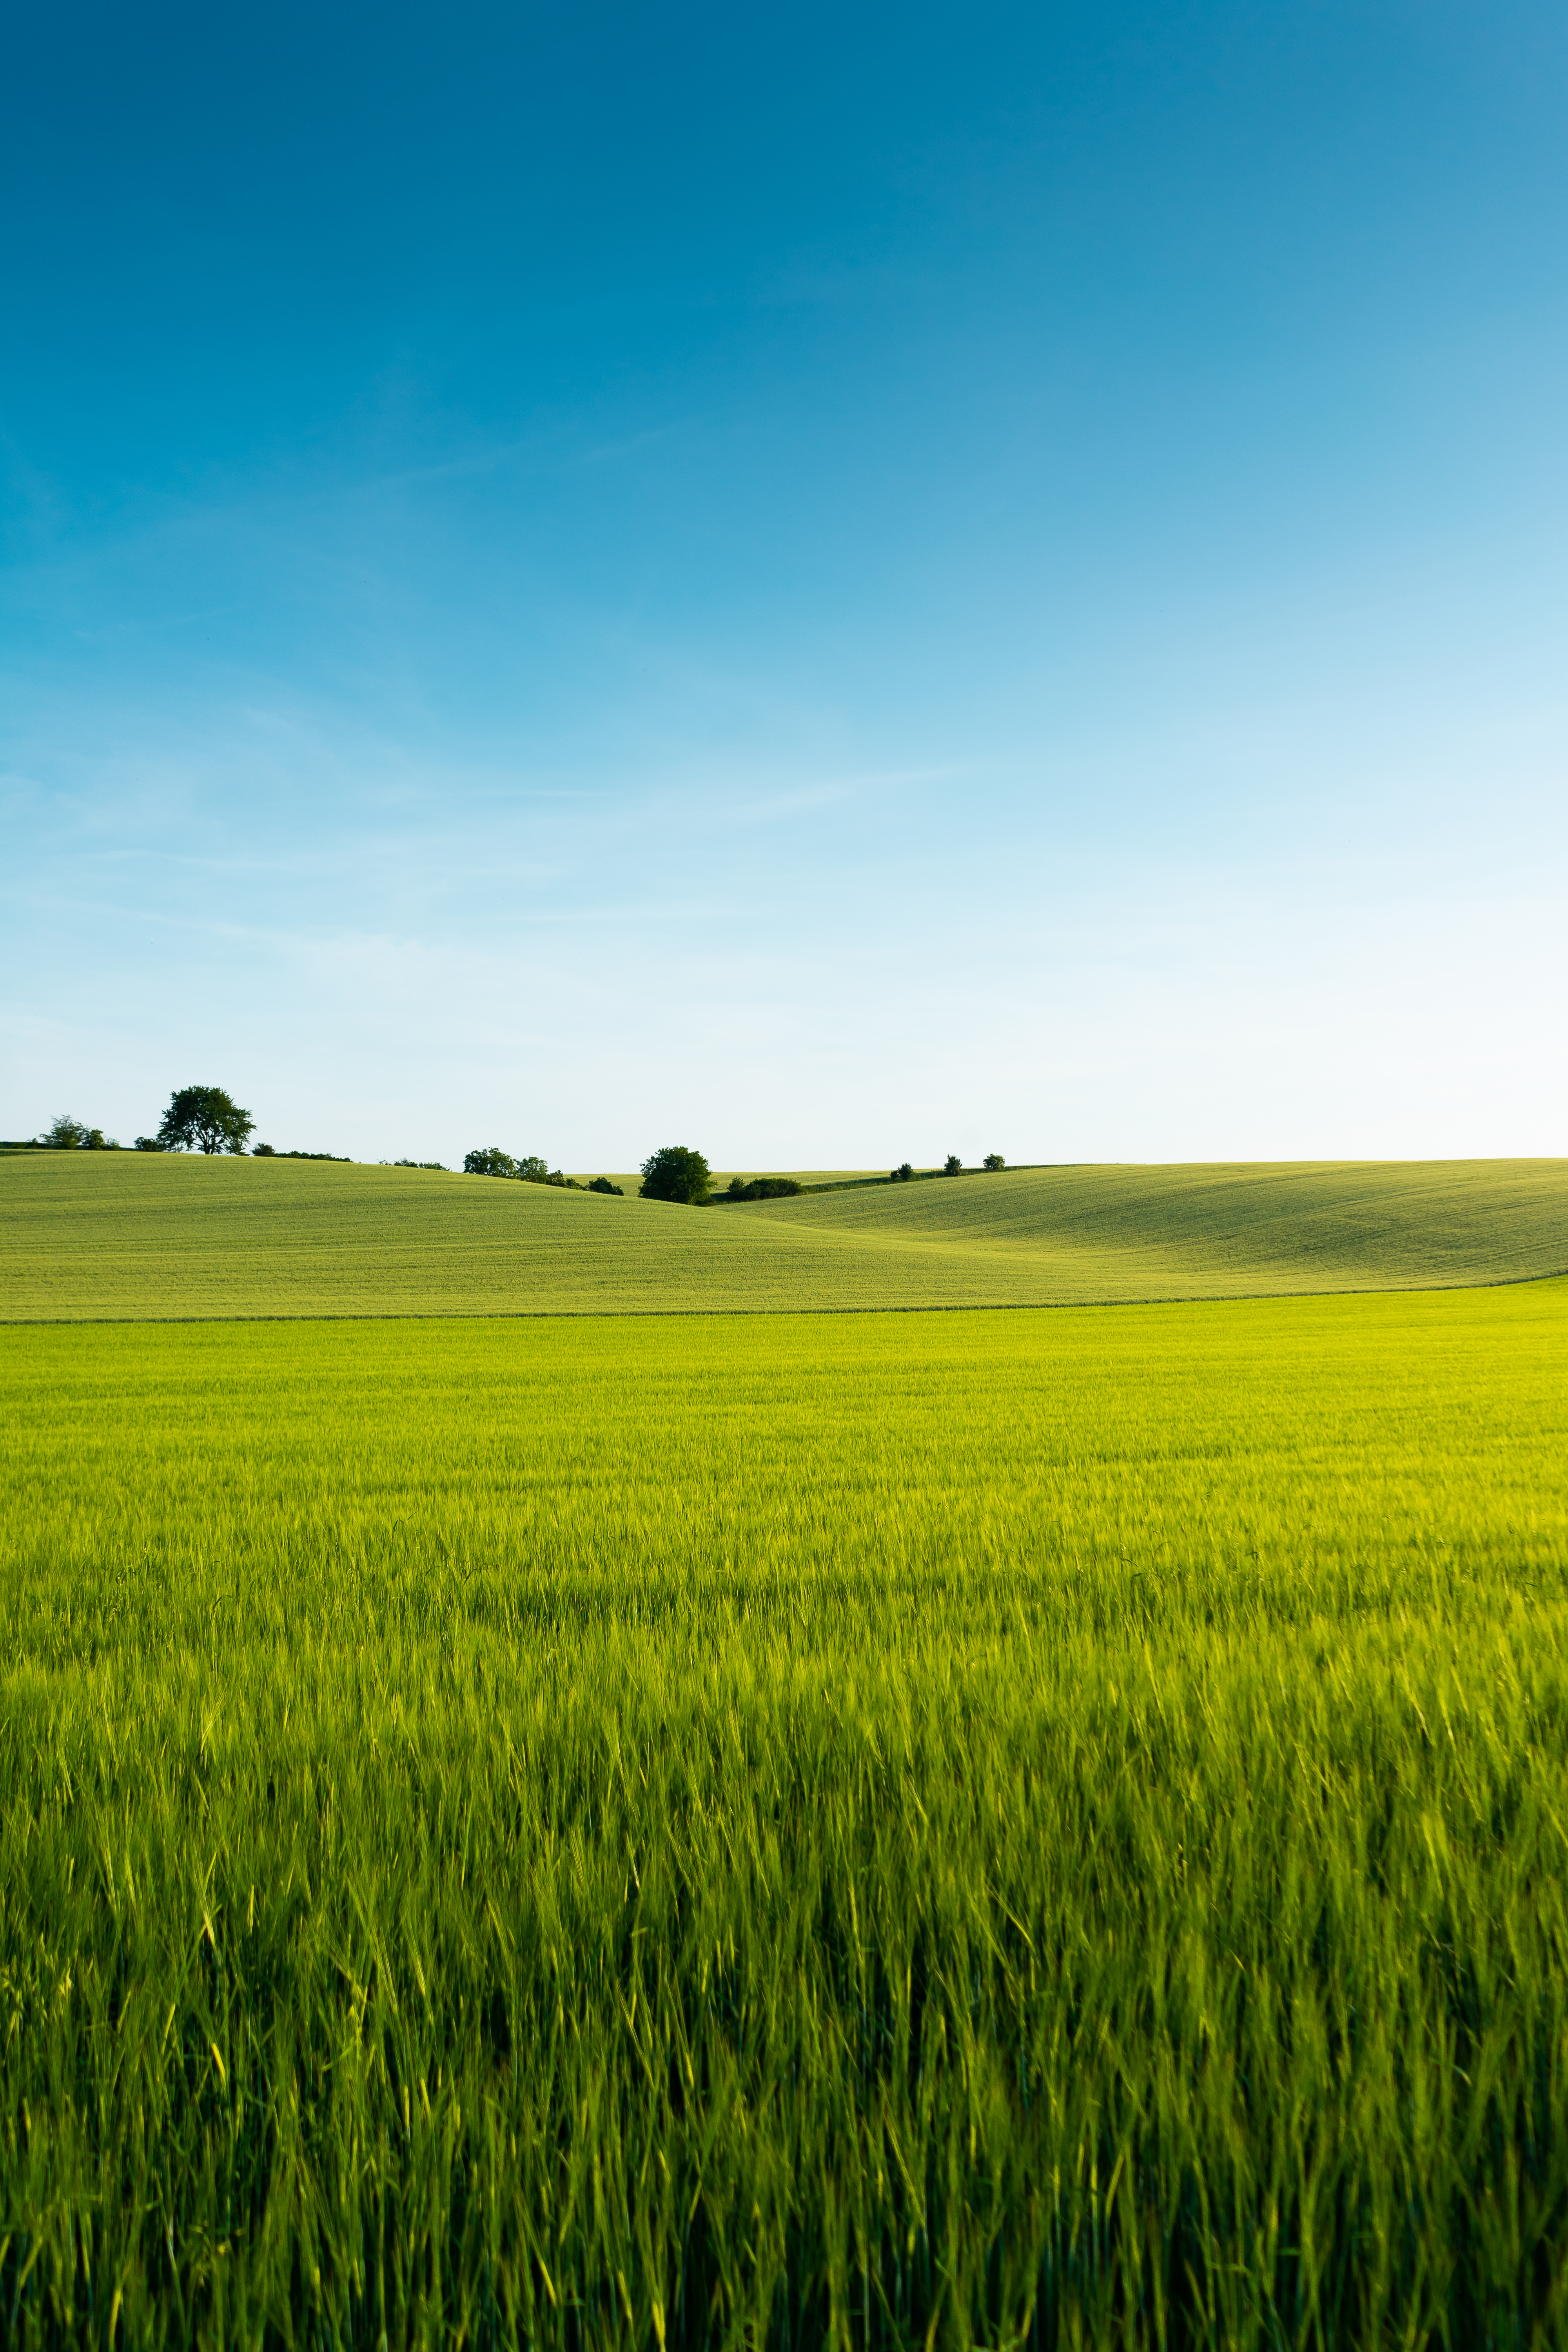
(874,1831)
(93,1234)
(1348,1224)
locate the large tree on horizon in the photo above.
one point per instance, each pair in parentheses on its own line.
(204,1118)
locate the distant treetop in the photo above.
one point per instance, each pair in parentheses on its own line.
(67,1134)
(677,1173)
(204,1118)
(493,1161)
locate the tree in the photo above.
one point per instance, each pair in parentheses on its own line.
(204,1118)
(994,1160)
(603,1184)
(492,1162)
(953,1165)
(902,1175)
(675,1173)
(67,1134)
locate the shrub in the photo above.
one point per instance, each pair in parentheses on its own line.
(151,1143)
(675,1173)
(603,1184)
(764,1188)
(528,1169)
(994,1160)
(67,1134)
(953,1165)
(902,1175)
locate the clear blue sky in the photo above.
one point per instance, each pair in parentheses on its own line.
(830,583)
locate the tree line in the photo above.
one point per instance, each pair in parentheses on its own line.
(530,1169)
(207,1119)
(199,1118)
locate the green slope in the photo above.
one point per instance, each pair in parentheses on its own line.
(1315,1225)
(86,1235)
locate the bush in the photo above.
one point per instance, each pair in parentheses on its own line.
(953,1165)
(529,1170)
(902,1175)
(67,1134)
(994,1160)
(151,1143)
(424,1163)
(764,1188)
(603,1184)
(677,1173)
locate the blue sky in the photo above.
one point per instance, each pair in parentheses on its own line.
(828,583)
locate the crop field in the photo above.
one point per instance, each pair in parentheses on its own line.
(870,1831)
(86,1235)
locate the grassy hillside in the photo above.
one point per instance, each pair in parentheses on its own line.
(1345,1224)
(137,1237)
(869,1832)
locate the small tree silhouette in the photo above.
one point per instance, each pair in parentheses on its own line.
(675,1173)
(204,1118)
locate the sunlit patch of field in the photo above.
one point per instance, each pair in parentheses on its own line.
(881,1830)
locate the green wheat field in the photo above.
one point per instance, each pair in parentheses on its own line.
(124,1235)
(529,1824)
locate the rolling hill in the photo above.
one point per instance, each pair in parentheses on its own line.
(126,1237)
(1317,1225)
